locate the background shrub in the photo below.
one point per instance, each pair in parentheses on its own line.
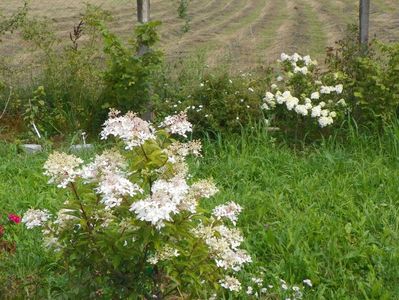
(216,101)
(371,77)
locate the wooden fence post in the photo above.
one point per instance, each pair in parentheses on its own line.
(143,16)
(364,21)
(143,11)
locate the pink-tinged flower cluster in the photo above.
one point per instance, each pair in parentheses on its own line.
(204,188)
(230,211)
(177,124)
(114,187)
(133,130)
(110,161)
(178,151)
(108,170)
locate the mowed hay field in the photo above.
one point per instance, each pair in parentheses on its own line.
(245,32)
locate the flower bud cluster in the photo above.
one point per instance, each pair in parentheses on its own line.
(166,253)
(62,168)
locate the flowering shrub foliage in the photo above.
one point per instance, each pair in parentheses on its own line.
(133,224)
(301,94)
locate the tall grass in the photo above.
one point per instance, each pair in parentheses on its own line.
(329,214)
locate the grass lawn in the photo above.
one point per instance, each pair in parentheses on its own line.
(329,213)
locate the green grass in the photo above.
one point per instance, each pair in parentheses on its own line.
(329,213)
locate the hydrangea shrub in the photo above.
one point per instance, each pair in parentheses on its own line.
(301,97)
(133,224)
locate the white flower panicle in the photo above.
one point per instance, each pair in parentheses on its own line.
(315,96)
(163,203)
(270,101)
(177,152)
(62,168)
(177,124)
(35,218)
(133,130)
(305,108)
(189,203)
(331,89)
(204,188)
(304,70)
(51,242)
(301,109)
(114,187)
(223,243)
(250,290)
(108,171)
(230,211)
(316,111)
(110,161)
(325,121)
(342,102)
(231,283)
(282,98)
(339,88)
(258,281)
(299,64)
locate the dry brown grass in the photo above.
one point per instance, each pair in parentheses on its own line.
(248,31)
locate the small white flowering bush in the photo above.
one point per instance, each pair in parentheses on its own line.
(301,98)
(219,102)
(133,224)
